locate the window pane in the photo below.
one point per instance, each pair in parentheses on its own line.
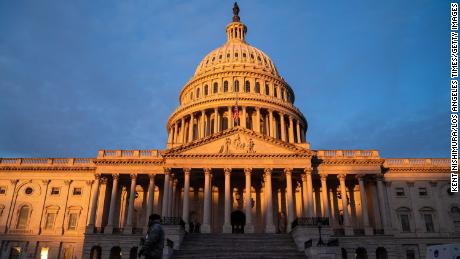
(50,220)
(429,222)
(73,221)
(23,218)
(405,223)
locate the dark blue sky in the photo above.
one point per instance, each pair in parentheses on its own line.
(78,76)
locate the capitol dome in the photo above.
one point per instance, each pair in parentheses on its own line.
(236,75)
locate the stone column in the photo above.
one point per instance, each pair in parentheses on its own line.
(257,123)
(182,130)
(186,205)
(304,195)
(271,132)
(113,198)
(176,131)
(164,204)
(92,215)
(383,212)
(174,198)
(291,130)
(227,228)
(309,184)
(206,227)
(170,196)
(243,118)
(151,192)
(249,227)
(230,117)
(190,128)
(362,191)
(216,120)
(324,193)
(290,200)
(170,135)
(128,229)
(202,124)
(269,226)
(346,218)
(283,128)
(299,140)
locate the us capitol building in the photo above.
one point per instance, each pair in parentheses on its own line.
(229,170)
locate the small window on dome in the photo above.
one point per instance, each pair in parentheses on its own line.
(216,87)
(225,86)
(220,56)
(267,89)
(275,91)
(282,95)
(228,55)
(236,54)
(198,93)
(252,56)
(258,58)
(244,55)
(213,58)
(206,90)
(257,88)
(247,87)
(207,61)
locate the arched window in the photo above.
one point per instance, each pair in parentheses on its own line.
(257,87)
(381,253)
(95,252)
(237,86)
(198,93)
(404,218)
(216,88)
(225,86)
(428,217)
(267,89)
(115,252)
(455,214)
(23,217)
(247,87)
(205,90)
(275,91)
(361,253)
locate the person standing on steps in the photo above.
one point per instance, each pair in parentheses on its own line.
(152,246)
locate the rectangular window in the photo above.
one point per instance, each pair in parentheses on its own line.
(44,253)
(422,192)
(400,191)
(2,190)
(405,222)
(55,191)
(73,217)
(68,253)
(76,191)
(410,254)
(428,222)
(50,217)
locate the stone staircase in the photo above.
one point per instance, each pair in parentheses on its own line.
(232,246)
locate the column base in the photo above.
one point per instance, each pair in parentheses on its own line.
(368,231)
(108,229)
(270,229)
(90,229)
(227,228)
(205,228)
(348,231)
(248,228)
(128,230)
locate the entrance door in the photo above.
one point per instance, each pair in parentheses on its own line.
(238,219)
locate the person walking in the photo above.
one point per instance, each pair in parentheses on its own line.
(152,246)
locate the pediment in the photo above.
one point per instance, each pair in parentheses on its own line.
(238,141)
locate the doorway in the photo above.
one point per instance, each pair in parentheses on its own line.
(238,220)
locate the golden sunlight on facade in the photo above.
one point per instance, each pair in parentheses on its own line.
(225,171)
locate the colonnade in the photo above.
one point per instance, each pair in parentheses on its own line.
(268,122)
(309,205)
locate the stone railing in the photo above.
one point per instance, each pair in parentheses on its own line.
(347,153)
(311,221)
(395,162)
(130,153)
(47,161)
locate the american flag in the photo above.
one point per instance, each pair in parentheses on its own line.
(236,116)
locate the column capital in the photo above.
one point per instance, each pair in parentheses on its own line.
(133,176)
(268,171)
(167,170)
(247,171)
(227,171)
(115,176)
(187,171)
(46,182)
(323,176)
(97,176)
(288,171)
(303,177)
(152,176)
(207,170)
(308,170)
(67,182)
(360,177)
(104,180)
(341,177)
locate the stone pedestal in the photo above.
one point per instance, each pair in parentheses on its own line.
(128,230)
(323,252)
(109,229)
(270,229)
(302,234)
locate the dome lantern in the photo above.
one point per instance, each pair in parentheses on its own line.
(236,31)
